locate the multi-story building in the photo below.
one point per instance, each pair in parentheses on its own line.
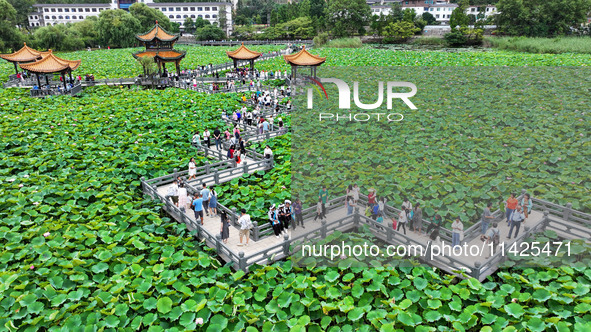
(440,9)
(52,14)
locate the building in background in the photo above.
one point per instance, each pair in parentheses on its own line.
(52,14)
(440,9)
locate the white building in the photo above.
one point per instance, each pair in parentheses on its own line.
(440,9)
(52,14)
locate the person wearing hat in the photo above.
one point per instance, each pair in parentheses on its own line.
(245,226)
(274,221)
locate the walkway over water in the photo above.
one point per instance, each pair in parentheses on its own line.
(265,248)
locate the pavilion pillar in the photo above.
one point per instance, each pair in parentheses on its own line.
(312,71)
(15,68)
(46,79)
(38,80)
(159,68)
(294,72)
(64,80)
(252,64)
(235,63)
(178,68)
(71,80)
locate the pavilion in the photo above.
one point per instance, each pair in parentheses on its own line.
(304,59)
(242,54)
(159,45)
(51,64)
(24,55)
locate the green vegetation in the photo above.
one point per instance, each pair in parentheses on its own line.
(541,18)
(428,41)
(82,248)
(344,43)
(543,45)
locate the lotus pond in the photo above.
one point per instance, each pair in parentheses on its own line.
(83,250)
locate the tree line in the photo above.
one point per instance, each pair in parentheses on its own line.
(112,28)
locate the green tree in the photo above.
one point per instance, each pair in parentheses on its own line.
(541,18)
(458,16)
(189,25)
(396,14)
(200,23)
(88,30)
(399,31)
(429,18)
(148,16)
(117,28)
(222,19)
(210,32)
(347,17)
(304,8)
(300,28)
(10,37)
(409,15)
(23,8)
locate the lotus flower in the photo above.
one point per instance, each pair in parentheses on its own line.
(199,321)
(32,267)
(514,300)
(20,185)
(46,234)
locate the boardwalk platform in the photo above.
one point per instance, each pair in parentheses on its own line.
(264,247)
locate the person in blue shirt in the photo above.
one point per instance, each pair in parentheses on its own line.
(265,126)
(198,206)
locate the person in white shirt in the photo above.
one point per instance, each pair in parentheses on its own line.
(407,205)
(173,192)
(402,220)
(183,199)
(268,153)
(192,169)
(491,241)
(207,138)
(356,193)
(516,217)
(245,226)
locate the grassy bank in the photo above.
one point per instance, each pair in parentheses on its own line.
(542,45)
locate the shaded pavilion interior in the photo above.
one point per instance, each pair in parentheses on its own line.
(160,46)
(304,59)
(243,54)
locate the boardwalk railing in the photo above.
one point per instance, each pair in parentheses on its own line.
(191,40)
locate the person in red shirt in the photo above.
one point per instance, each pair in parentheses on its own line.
(510,206)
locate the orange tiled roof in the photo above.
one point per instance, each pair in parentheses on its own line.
(25,54)
(243,53)
(51,64)
(157,33)
(304,58)
(164,55)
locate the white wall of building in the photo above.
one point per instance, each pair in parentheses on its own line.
(52,14)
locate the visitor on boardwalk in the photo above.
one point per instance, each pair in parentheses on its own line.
(457,230)
(417,219)
(492,238)
(245,226)
(435,223)
(285,214)
(265,126)
(172,192)
(409,217)
(323,195)
(196,140)
(192,169)
(350,205)
(213,202)
(207,138)
(319,214)
(236,132)
(406,203)
(382,206)
(230,152)
(242,145)
(348,194)
(297,212)
(371,197)
(268,153)
(510,206)
(237,157)
(227,133)
(274,220)
(402,219)
(517,217)
(217,136)
(526,204)
(198,206)
(375,209)
(225,231)
(183,200)
(486,218)
(205,196)
(356,192)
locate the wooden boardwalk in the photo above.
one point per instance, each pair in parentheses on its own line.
(264,247)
